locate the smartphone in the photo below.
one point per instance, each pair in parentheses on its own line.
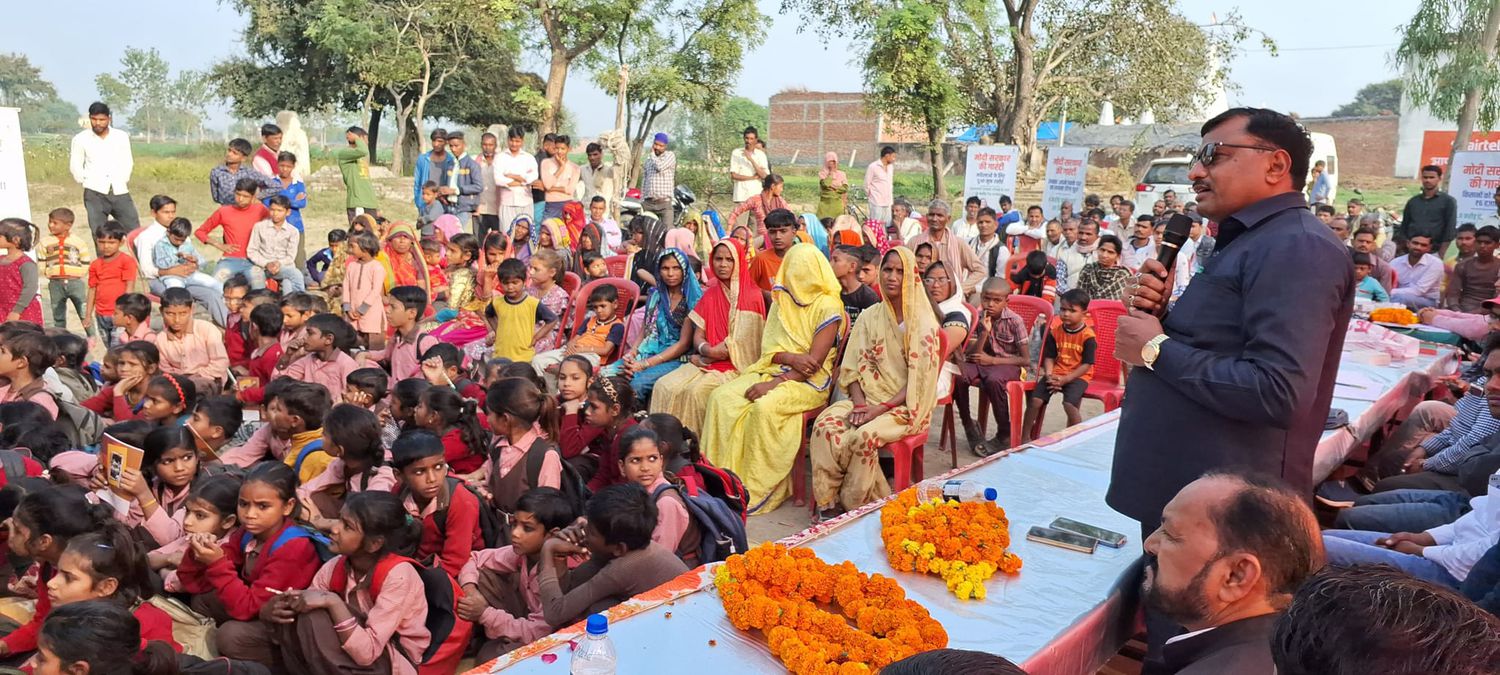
(1062,539)
(1108,538)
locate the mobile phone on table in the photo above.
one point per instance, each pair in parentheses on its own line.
(1108,538)
(1062,539)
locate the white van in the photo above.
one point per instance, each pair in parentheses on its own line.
(1171,173)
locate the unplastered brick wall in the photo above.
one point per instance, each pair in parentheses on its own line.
(1367,145)
(806,124)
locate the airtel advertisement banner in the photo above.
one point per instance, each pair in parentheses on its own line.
(1435,146)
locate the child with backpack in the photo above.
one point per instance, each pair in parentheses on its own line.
(400,416)
(293,432)
(365,611)
(24,357)
(97,636)
(448,510)
(404,306)
(500,584)
(523,418)
(110,565)
(455,419)
(169,400)
(40,528)
(351,435)
(211,509)
(169,464)
(591,439)
(267,554)
(623,560)
(641,463)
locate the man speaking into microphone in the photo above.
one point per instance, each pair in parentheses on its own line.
(1240,373)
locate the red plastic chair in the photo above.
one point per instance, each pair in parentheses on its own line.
(1105,385)
(571,282)
(580,301)
(616,265)
(1013,265)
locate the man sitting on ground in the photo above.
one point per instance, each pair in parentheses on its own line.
(1230,552)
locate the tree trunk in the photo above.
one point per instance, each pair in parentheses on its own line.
(935,157)
(398,152)
(411,148)
(374,132)
(1470,111)
(557,77)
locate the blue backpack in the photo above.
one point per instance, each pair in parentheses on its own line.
(720,527)
(320,541)
(308,449)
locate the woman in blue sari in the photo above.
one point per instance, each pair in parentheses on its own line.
(662,348)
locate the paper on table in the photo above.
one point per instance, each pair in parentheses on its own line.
(1355,393)
(1355,378)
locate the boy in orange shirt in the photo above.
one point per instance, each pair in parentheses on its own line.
(1068,360)
(781,234)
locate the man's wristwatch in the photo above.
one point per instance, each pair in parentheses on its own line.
(1152,350)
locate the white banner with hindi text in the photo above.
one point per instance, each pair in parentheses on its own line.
(1472,182)
(14,201)
(1066,168)
(990,172)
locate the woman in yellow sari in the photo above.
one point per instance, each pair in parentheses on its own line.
(724,328)
(754,422)
(890,372)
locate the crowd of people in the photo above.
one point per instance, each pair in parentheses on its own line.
(520,401)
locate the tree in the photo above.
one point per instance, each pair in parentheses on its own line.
(710,136)
(406,50)
(491,89)
(22,83)
(1376,98)
(571,30)
(1018,60)
(907,80)
(688,57)
(1448,54)
(191,93)
(141,91)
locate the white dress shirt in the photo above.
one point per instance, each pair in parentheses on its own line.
(1423,278)
(522,164)
(746,166)
(600,181)
(145,243)
(102,164)
(1132,257)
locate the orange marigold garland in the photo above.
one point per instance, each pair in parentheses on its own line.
(779,591)
(963,542)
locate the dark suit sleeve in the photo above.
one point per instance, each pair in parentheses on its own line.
(1288,318)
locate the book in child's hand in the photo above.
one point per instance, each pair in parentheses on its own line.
(247,382)
(117,457)
(205,451)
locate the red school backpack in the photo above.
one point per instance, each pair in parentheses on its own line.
(442,597)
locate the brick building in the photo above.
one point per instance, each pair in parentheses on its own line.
(1367,145)
(806,124)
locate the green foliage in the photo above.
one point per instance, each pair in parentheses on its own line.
(906,78)
(151,101)
(1441,50)
(710,136)
(489,90)
(1376,98)
(283,68)
(22,83)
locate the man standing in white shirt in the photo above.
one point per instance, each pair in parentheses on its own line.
(101,162)
(1419,274)
(1141,246)
(515,170)
(880,184)
(747,168)
(598,178)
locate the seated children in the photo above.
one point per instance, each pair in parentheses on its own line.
(294,416)
(1068,360)
(190,347)
(111,275)
(781,233)
(296,309)
(135,364)
(168,467)
(110,565)
(40,529)
(592,265)
(641,462)
(72,351)
(1038,278)
(1367,287)
(272,249)
(215,420)
(455,419)
(401,356)
(545,273)
(95,636)
(265,343)
(591,439)
(365,610)
(351,436)
(624,561)
(169,400)
(518,321)
(996,353)
(238,220)
(600,338)
(442,365)
(175,250)
(330,260)
(401,414)
(24,357)
(210,509)
(236,328)
(430,494)
(432,256)
(281,555)
(364,290)
(847,261)
(133,319)
(523,419)
(326,348)
(500,584)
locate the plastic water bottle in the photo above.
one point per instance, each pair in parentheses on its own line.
(955,490)
(595,655)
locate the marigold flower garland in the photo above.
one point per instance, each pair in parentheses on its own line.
(779,591)
(963,542)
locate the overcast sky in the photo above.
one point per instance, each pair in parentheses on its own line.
(1328,50)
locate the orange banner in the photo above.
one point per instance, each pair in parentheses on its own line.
(1436,144)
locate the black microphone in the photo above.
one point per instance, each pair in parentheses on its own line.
(1176,234)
